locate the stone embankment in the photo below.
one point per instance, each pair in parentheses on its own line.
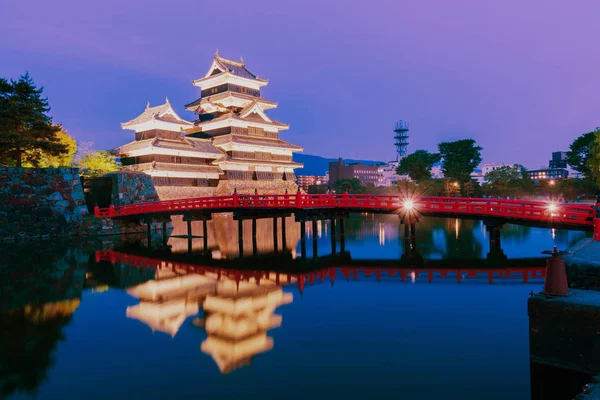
(41,203)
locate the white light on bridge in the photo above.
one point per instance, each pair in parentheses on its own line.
(408,205)
(552,207)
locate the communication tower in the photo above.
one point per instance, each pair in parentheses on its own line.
(401,136)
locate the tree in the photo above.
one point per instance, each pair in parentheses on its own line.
(348,185)
(433,187)
(571,189)
(25,128)
(503,180)
(580,153)
(98,163)
(460,159)
(47,160)
(418,165)
(317,189)
(594,161)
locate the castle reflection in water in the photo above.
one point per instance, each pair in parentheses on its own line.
(236,314)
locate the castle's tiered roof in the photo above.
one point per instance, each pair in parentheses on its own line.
(255,141)
(222,66)
(202,147)
(224,99)
(250,118)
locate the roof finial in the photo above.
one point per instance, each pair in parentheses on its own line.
(242,60)
(166,100)
(148,104)
(217,53)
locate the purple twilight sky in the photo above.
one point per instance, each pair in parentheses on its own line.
(519,76)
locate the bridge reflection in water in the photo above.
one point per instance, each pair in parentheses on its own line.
(238,305)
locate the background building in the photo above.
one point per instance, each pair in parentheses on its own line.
(389,177)
(366,174)
(304,181)
(548,173)
(436,170)
(559,160)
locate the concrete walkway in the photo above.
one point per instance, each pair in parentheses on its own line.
(584,252)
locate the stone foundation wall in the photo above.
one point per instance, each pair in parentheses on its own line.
(40,202)
(184,192)
(132,187)
(227,187)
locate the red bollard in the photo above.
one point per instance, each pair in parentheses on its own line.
(556,276)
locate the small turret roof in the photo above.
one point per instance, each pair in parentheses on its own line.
(164,113)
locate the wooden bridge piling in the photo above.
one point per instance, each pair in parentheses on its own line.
(303,239)
(275,238)
(241,237)
(315,239)
(333,241)
(283,235)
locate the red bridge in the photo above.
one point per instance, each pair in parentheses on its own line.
(570,216)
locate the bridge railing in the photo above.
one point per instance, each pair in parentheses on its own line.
(333,272)
(575,214)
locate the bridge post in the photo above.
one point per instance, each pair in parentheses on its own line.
(597,220)
(164,233)
(205,234)
(494,230)
(149,231)
(315,239)
(342,236)
(275,244)
(333,244)
(254,236)
(241,237)
(189,235)
(283,234)
(303,238)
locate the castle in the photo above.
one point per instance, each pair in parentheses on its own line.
(233,145)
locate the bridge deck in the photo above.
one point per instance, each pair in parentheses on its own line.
(575,216)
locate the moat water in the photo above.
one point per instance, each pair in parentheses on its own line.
(110,318)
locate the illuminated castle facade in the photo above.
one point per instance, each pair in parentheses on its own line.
(232,145)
